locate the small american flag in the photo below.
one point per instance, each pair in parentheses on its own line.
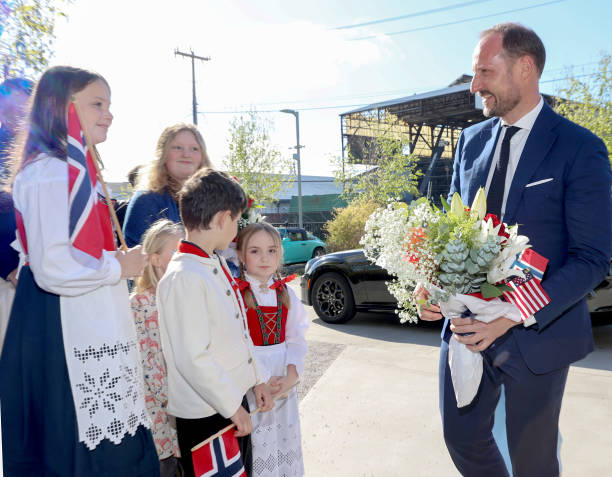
(527,292)
(219,457)
(89,225)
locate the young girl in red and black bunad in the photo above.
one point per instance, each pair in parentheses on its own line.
(277,324)
(70,379)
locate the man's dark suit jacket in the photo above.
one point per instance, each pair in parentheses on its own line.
(568,220)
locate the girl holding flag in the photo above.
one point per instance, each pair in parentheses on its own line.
(70,377)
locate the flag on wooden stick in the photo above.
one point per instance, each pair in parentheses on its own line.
(219,456)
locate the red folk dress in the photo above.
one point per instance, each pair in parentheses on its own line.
(279,337)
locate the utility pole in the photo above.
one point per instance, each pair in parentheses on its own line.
(193,58)
(296,157)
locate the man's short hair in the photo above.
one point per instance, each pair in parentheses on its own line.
(518,41)
(207,192)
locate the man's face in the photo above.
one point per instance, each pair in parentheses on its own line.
(12,109)
(495,77)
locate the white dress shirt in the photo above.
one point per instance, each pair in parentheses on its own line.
(517,144)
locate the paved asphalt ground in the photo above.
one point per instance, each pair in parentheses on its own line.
(369,402)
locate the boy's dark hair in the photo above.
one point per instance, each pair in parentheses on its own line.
(133,175)
(207,192)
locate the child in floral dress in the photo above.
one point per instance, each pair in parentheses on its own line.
(160,242)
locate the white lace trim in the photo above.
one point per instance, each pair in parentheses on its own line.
(103,364)
(109,393)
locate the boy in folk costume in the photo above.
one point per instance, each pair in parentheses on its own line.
(209,354)
(277,324)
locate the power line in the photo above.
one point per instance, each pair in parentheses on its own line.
(403,92)
(410,15)
(343,106)
(246,111)
(430,27)
(568,77)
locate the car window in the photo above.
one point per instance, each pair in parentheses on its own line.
(282,232)
(295,236)
(309,236)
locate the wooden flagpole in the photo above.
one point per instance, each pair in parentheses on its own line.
(225,429)
(97,161)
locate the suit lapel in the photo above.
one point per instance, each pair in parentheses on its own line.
(483,163)
(540,139)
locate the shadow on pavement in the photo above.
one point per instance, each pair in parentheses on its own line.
(386,327)
(601,358)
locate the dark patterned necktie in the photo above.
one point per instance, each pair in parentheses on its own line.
(495,197)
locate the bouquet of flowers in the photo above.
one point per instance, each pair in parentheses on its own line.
(466,259)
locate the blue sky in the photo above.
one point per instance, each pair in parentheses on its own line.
(271,54)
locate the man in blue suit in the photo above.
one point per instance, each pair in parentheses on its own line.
(553,178)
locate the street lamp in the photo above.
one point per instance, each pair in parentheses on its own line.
(296,156)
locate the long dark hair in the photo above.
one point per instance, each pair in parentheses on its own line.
(45,128)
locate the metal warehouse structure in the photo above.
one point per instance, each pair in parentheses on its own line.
(431,122)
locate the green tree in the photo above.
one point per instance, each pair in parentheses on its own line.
(254,160)
(27,34)
(394,174)
(589,102)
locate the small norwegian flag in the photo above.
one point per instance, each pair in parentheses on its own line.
(89,224)
(527,292)
(219,457)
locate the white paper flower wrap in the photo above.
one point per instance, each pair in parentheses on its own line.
(465,365)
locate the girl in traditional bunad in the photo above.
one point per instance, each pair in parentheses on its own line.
(70,376)
(159,243)
(277,324)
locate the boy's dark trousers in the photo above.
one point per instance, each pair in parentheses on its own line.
(191,432)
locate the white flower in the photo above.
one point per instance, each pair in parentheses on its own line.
(479,206)
(501,265)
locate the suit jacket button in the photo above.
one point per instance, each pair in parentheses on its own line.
(237,315)
(215,271)
(250,360)
(228,293)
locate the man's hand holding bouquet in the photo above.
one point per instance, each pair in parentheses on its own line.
(478,272)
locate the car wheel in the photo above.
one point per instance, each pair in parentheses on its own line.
(332,298)
(317,252)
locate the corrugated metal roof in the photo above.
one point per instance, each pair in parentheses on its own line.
(429,94)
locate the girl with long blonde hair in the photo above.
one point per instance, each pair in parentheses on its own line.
(159,242)
(180,152)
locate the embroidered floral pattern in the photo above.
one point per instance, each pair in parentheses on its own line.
(154,369)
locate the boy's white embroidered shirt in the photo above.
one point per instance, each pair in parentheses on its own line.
(207,346)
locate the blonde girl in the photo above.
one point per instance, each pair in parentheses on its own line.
(277,324)
(160,242)
(180,152)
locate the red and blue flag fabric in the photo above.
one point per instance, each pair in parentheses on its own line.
(527,292)
(89,224)
(219,457)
